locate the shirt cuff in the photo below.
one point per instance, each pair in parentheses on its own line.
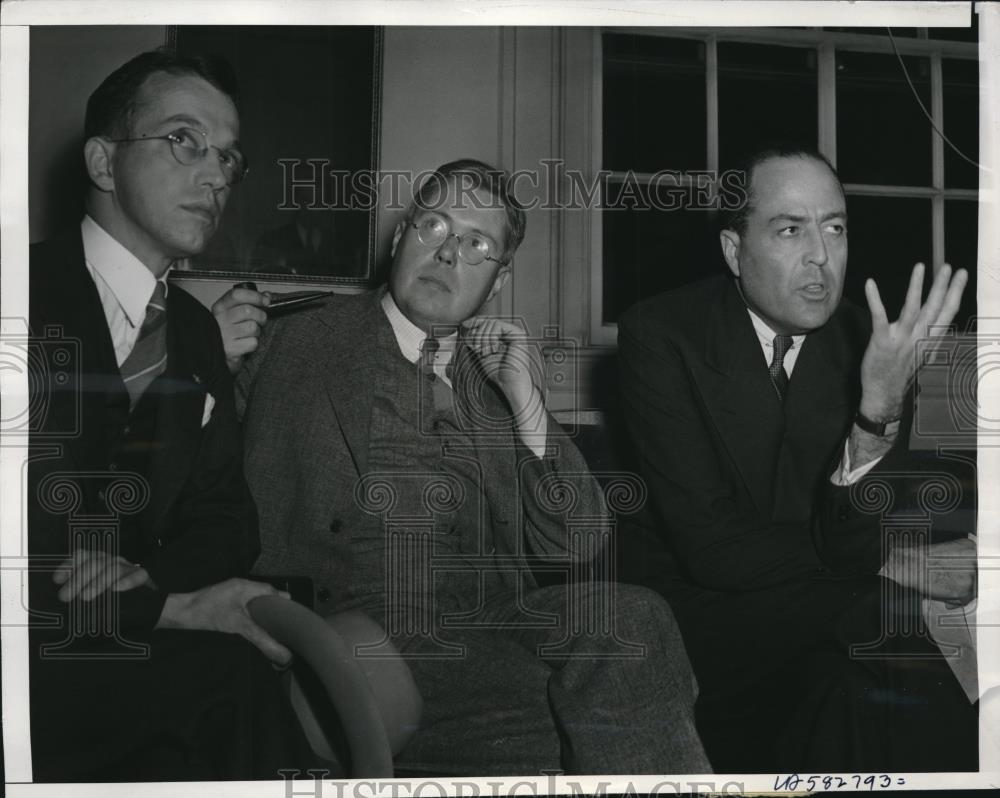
(538,440)
(844,476)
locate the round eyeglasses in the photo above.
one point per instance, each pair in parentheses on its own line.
(189,146)
(473,248)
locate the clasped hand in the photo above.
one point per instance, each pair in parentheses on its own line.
(240,316)
(889,363)
(513,363)
(508,358)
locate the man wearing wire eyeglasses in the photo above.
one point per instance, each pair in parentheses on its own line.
(400,454)
(134,681)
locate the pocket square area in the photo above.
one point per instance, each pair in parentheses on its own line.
(206,413)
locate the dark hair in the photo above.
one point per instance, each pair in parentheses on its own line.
(113,103)
(473,175)
(736,219)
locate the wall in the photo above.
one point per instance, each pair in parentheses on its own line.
(67,64)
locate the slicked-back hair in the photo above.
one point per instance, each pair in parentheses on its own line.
(736,220)
(471,174)
(112,105)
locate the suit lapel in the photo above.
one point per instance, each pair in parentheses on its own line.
(347,374)
(818,409)
(739,395)
(65,303)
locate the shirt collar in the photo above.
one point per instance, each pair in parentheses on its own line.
(766,334)
(409,336)
(125,275)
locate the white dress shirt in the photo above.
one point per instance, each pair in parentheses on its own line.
(123,282)
(411,338)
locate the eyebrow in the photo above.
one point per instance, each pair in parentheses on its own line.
(451,221)
(793,217)
(191,121)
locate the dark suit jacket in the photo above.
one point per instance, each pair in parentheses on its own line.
(199,525)
(307,397)
(739,480)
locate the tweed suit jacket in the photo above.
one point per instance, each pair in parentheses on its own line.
(306,399)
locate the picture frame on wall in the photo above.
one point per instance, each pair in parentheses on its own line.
(306,211)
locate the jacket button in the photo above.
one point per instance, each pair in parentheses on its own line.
(159,543)
(323,595)
(843,513)
(113,467)
(102,495)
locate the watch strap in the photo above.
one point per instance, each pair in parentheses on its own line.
(880,428)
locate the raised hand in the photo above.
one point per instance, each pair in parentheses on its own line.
(510,360)
(240,317)
(889,363)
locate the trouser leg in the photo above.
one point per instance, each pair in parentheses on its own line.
(621,691)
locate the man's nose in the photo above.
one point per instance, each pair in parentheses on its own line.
(448,251)
(817,249)
(210,171)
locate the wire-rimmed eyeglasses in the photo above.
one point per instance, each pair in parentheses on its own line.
(473,248)
(189,146)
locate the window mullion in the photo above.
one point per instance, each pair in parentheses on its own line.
(826,79)
(937,162)
(712,103)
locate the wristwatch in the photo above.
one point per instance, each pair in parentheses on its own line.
(882,429)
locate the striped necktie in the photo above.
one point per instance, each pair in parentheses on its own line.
(779,377)
(148,357)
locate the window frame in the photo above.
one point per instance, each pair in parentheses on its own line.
(825,44)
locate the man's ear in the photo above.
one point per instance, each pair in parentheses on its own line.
(397,234)
(97,155)
(730,241)
(498,282)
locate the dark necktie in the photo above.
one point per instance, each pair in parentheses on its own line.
(428,350)
(148,357)
(440,394)
(782,343)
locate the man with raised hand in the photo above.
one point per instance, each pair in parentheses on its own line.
(754,401)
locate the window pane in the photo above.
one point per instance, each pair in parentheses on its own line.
(887,235)
(961,122)
(765,93)
(883,137)
(649,251)
(961,228)
(654,103)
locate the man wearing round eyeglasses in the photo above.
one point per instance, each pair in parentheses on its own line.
(133,681)
(400,454)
